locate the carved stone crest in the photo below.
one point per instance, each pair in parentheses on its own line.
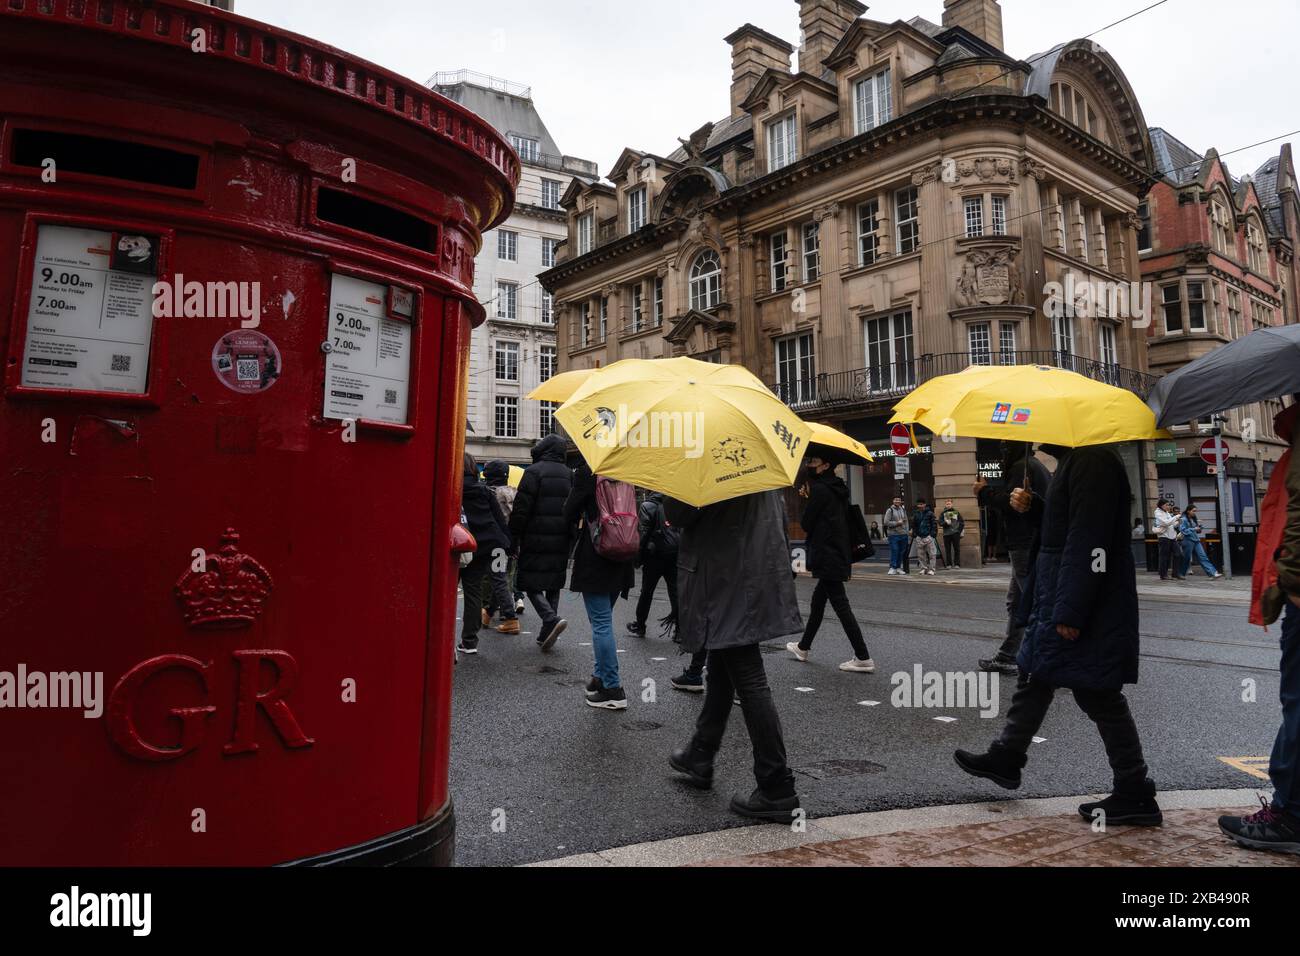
(1033,169)
(986,170)
(990,277)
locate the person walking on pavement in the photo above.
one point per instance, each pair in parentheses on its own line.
(1166,523)
(600,580)
(1190,529)
(735,591)
(953,526)
(538,526)
(658,557)
(826,522)
(924,527)
(486,522)
(1082,632)
(498,594)
(1020,468)
(898,531)
(1274,588)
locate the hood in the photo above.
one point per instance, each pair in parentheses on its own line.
(835,483)
(496,473)
(550,448)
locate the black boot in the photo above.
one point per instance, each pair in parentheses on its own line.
(695,764)
(761,807)
(1130,809)
(1001,766)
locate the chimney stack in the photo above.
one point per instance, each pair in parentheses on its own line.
(822,24)
(753,53)
(981,17)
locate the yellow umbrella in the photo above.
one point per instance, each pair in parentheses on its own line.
(558,388)
(843,447)
(1031,403)
(697,431)
(516,476)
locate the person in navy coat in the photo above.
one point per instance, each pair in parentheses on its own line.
(1082,630)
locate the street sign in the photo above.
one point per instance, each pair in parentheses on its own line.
(1166,452)
(1214,451)
(902,466)
(900,440)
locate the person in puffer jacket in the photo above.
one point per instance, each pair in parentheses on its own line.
(1082,632)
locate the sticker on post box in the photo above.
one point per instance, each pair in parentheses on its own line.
(368,359)
(90,318)
(246,360)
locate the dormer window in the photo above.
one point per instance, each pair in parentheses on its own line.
(584,233)
(1255,248)
(1221,227)
(872,102)
(636,203)
(706,281)
(527,148)
(1072,104)
(782,143)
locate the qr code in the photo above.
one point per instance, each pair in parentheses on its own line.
(247,370)
(390,396)
(121,363)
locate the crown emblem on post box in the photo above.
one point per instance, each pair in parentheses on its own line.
(229,590)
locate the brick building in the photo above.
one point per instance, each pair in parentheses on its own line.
(1218,269)
(897,206)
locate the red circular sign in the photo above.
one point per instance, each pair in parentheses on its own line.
(1208,451)
(900,439)
(246,360)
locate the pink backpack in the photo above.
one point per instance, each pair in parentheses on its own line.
(615,534)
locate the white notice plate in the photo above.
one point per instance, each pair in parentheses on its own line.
(88,326)
(368,367)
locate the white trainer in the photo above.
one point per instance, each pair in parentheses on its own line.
(859,667)
(794,648)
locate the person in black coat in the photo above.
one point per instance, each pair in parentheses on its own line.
(1082,631)
(735,590)
(658,559)
(487,523)
(542,534)
(1020,535)
(830,560)
(600,581)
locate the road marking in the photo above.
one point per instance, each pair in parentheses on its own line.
(585,645)
(804,690)
(868,703)
(1040,740)
(1254,766)
(659,659)
(946,720)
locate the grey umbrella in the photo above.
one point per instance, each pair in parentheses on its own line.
(1264,364)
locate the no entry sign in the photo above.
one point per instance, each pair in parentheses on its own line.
(900,441)
(1214,451)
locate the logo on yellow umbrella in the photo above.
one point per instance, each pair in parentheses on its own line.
(605,422)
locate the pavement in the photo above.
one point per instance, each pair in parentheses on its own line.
(538,776)
(1045,832)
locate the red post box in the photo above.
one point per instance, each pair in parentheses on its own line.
(236,272)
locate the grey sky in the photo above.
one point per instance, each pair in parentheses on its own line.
(609,75)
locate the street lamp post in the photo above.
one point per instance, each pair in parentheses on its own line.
(1220,467)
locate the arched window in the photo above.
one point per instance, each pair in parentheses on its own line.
(706,281)
(1070,102)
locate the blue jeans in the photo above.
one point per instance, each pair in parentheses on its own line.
(898,545)
(600,612)
(1282,766)
(1196,549)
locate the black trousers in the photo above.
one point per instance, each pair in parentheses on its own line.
(1020,568)
(471,587)
(652,570)
(833,591)
(1167,548)
(546,604)
(952,550)
(1108,709)
(738,672)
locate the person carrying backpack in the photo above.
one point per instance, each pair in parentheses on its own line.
(602,513)
(658,557)
(831,530)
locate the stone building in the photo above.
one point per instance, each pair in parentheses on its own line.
(1220,265)
(899,205)
(515,349)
